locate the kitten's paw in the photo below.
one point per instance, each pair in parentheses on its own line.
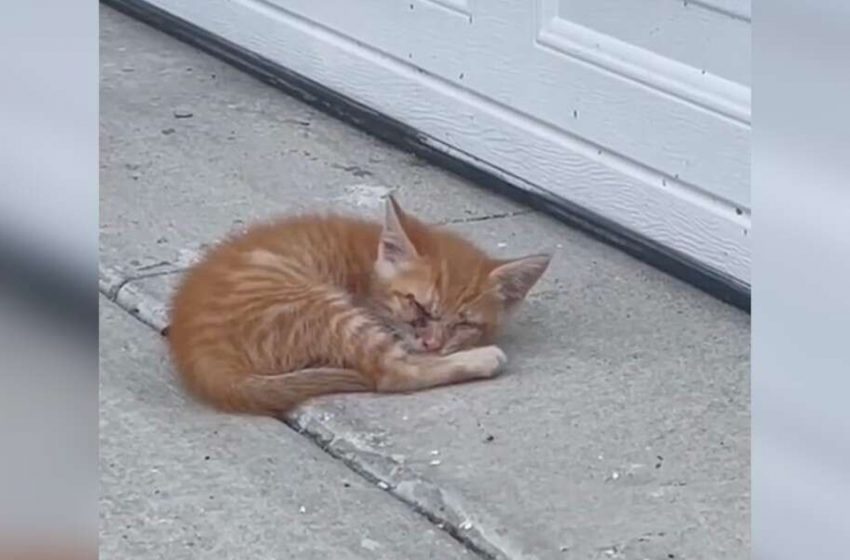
(486,361)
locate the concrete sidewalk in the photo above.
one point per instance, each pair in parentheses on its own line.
(621,429)
(179,481)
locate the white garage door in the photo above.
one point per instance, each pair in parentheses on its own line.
(637,110)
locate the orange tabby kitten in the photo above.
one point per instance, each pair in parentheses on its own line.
(314,305)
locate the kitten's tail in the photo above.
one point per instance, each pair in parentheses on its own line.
(275,395)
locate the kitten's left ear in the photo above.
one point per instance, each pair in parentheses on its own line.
(395,249)
(514,279)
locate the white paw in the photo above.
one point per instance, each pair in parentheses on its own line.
(486,361)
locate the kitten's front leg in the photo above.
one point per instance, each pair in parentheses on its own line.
(417,372)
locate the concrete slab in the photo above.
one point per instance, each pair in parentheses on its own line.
(621,429)
(179,481)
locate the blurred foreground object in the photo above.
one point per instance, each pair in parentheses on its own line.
(48,291)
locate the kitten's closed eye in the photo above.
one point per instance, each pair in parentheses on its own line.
(465,321)
(419,307)
(422,315)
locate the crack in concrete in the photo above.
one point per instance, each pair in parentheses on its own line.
(155,274)
(497,216)
(139,305)
(111,280)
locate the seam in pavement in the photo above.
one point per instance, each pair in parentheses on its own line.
(111,280)
(443,508)
(496,216)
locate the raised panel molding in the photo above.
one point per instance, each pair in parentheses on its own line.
(460,6)
(670,77)
(737,9)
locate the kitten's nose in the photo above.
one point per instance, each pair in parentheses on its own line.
(431,343)
(431,339)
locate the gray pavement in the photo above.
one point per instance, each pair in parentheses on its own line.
(179,481)
(621,429)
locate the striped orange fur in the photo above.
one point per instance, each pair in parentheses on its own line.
(313,305)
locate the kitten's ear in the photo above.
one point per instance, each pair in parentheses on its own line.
(514,279)
(395,249)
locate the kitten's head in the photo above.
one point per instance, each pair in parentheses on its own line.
(448,294)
